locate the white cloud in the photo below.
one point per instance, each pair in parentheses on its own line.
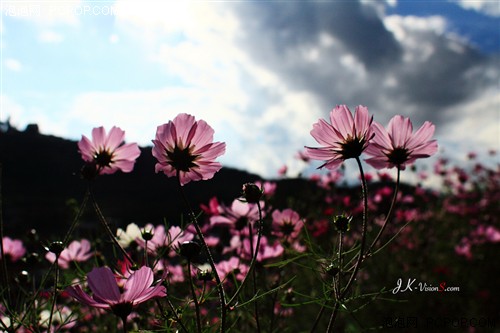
(13,64)
(49,36)
(488,7)
(262,97)
(477,125)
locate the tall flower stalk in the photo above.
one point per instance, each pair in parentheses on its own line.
(360,255)
(184,149)
(211,261)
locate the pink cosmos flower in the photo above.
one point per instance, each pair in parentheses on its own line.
(185,146)
(346,137)
(236,217)
(13,249)
(107,152)
(286,223)
(75,252)
(268,187)
(398,146)
(232,265)
(163,239)
(265,251)
(107,295)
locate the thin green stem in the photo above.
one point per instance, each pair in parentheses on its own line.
(335,285)
(388,217)
(124,320)
(104,223)
(253,253)
(195,298)
(146,253)
(76,218)
(341,238)
(254,257)
(361,249)
(220,288)
(174,313)
(54,296)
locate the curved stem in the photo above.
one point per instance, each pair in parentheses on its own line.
(220,288)
(335,284)
(174,313)
(253,254)
(124,320)
(361,249)
(104,223)
(389,214)
(65,243)
(195,298)
(341,238)
(254,257)
(54,297)
(76,218)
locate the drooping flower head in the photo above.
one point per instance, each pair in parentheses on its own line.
(398,146)
(185,147)
(343,138)
(106,293)
(107,152)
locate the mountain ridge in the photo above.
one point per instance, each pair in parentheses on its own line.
(42,187)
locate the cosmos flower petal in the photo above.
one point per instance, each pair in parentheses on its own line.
(86,148)
(99,137)
(379,162)
(78,294)
(324,133)
(204,135)
(102,282)
(342,120)
(137,284)
(362,120)
(423,134)
(114,138)
(319,153)
(183,124)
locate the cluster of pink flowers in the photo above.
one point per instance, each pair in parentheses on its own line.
(347,137)
(184,148)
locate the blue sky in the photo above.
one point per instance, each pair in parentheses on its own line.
(261,73)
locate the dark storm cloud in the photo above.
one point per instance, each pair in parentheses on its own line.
(311,45)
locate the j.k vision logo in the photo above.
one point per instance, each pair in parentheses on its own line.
(413,285)
(439,323)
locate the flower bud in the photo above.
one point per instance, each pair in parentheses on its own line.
(332,270)
(205,272)
(147,235)
(251,193)
(56,247)
(342,223)
(189,249)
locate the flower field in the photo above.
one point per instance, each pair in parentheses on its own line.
(322,256)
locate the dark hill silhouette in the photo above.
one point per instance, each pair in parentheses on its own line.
(41,186)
